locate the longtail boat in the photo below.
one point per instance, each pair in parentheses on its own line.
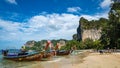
(46,56)
(46,53)
(63,52)
(22,56)
(55,51)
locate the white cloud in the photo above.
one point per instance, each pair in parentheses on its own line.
(40,27)
(55,25)
(12,2)
(9,25)
(96,16)
(105,3)
(49,26)
(73,9)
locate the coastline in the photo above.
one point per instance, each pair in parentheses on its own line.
(84,60)
(60,61)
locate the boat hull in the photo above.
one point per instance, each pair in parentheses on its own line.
(46,56)
(35,57)
(61,53)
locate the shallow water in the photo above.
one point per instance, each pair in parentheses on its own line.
(16,64)
(13,64)
(56,61)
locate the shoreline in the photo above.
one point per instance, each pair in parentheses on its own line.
(83,60)
(60,62)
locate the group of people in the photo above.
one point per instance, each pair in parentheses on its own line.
(108,50)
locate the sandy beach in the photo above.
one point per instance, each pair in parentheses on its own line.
(95,60)
(92,60)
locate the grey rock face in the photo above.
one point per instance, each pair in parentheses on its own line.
(79,33)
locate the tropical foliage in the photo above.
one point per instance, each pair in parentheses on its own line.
(110,35)
(111,30)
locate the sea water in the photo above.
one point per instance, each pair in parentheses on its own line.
(61,60)
(4,63)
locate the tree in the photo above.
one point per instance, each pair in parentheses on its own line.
(97,45)
(75,37)
(111,29)
(88,43)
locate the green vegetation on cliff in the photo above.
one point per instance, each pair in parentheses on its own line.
(40,45)
(111,31)
(93,24)
(110,35)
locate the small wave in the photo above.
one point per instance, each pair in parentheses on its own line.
(55,60)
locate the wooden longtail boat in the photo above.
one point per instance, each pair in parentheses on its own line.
(24,57)
(46,56)
(63,52)
(55,50)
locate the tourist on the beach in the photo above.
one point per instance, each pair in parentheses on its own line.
(101,52)
(108,49)
(114,49)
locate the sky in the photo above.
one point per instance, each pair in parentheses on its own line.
(24,20)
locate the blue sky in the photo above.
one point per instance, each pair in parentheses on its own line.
(23,20)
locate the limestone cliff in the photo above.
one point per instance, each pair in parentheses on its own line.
(79,33)
(30,43)
(93,34)
(89,29)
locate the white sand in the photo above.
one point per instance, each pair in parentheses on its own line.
(96,60)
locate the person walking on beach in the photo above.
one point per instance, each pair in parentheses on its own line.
(114,50)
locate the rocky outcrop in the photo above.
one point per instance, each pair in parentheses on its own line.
(83,34)
(30,43)
(79,33)
(93,34)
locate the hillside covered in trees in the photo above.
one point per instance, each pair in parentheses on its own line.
(110,28)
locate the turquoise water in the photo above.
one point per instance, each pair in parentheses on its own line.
(16,64)
(13,64)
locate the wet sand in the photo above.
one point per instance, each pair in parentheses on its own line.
(86,60)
